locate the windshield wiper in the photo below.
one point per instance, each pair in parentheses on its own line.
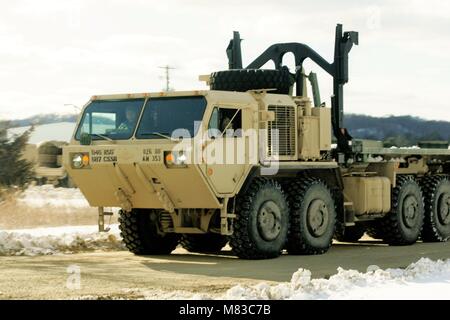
(102,136)
(158,134)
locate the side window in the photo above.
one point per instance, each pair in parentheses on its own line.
(214,121)
(225,121)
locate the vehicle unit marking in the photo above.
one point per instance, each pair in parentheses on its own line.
(151,155)
(99,155)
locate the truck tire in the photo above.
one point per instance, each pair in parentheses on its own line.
(262,221)
(66,182)
(375,230)
(252,79)
(350,234)
(140,233)
(203,243)
(313,217)
(47,160)
(436,190)
(47,154)
(403,224)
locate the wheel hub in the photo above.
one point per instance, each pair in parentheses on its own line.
(269,220)
(317,217)
(409,211)
(444,209)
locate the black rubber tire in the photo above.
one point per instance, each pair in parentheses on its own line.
(47,160)
(436,228)
(350,234)
(301,195)
(66,182)
(203,243)
(252,79)
(250,239)
(140,234)
(394,226)
(40,181)
(375,230)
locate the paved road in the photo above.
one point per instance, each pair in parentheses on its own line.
(123,275)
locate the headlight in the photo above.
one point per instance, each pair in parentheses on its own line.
(80,160)
(77,161)
(175,159)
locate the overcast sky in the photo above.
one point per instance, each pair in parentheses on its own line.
(56,52)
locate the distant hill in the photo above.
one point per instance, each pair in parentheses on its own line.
(397,130)
(42,119)
(393,130)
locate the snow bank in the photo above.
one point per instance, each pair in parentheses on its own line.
(411,147)
(425,279)
(59,240)
(49,196)
(42,241)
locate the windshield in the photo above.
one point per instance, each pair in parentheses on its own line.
(162,116)
(112,119)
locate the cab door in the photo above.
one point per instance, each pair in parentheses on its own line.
(226,153)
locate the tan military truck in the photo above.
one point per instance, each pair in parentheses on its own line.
(46,158)
(49,169)
(251,162)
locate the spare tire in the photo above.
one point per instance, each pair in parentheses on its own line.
(47,160)
(252,79)
(49,148)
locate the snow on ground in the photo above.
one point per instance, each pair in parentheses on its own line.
(49,196)
(424,279)
(411,147)
(58,240)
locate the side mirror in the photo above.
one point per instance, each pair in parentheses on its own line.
(85,139)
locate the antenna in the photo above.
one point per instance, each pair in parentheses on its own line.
(167,68)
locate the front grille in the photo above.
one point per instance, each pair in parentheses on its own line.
(282,144)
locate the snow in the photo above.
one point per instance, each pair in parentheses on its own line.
(58,240)
(409,148)
(61,131)
(59,231)
(424,279)
(49,196)
(374,159)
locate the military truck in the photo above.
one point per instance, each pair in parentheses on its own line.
(49,169)
(46,158)
(251,162)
